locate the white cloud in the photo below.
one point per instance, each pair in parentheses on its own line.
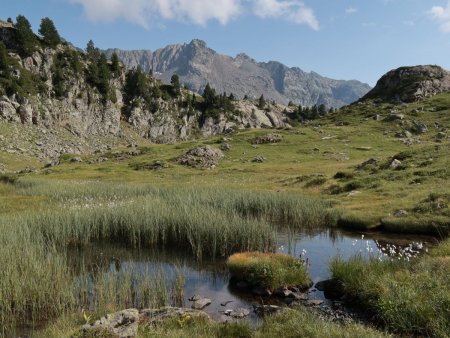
(142,12)
(200,12)
(351,10)
(409,23)
(442,15)
(291,10)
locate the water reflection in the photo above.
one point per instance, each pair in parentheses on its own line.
(210,278)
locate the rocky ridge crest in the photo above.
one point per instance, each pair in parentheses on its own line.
(409,84)
(197,65)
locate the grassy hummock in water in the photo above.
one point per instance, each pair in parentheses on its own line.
(268,270)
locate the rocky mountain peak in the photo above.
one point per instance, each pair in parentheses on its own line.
(243,57)
(197,65)
(197,43)
(409,84)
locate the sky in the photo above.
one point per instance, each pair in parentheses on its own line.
(341,39)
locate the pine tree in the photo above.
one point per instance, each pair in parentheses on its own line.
(261,102)
(104,75)
(176,87)
(314,114)
(136,85)
(115,63)
(209,95)
(58,80)
(4,61)
(92,52)
(49,33)
(322,110)
(25,36)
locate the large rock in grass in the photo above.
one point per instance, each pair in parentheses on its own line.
(125,324)
(122,324)
(202,157)
(409,84)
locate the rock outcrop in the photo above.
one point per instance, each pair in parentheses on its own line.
(196,64)
(409,84)
(205,157)
(61,97)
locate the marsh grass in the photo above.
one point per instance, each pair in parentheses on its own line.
(131,287)
(36,282)
(418,224)
(410,298)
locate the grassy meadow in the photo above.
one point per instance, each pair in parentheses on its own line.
(313,178)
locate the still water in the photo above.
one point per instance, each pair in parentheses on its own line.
(210,278)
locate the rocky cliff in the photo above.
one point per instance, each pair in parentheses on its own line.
(196,64)
(408,84)
(54,91)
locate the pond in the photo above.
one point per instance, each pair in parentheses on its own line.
(210,278)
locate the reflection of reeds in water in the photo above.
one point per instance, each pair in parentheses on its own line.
(131,287)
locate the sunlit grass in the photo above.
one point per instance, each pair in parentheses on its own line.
(406,297)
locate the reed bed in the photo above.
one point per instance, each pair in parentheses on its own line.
(36,282)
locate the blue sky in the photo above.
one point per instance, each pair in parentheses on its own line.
(343,39)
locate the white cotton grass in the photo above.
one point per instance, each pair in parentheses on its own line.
(388,251)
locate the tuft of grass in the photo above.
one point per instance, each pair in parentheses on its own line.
(8,178)
(269,270)
(300,323)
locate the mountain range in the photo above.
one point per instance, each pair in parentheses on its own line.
(197,65)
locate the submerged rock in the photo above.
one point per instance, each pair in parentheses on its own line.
(200,304)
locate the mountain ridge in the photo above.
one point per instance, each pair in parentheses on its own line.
(197,65)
